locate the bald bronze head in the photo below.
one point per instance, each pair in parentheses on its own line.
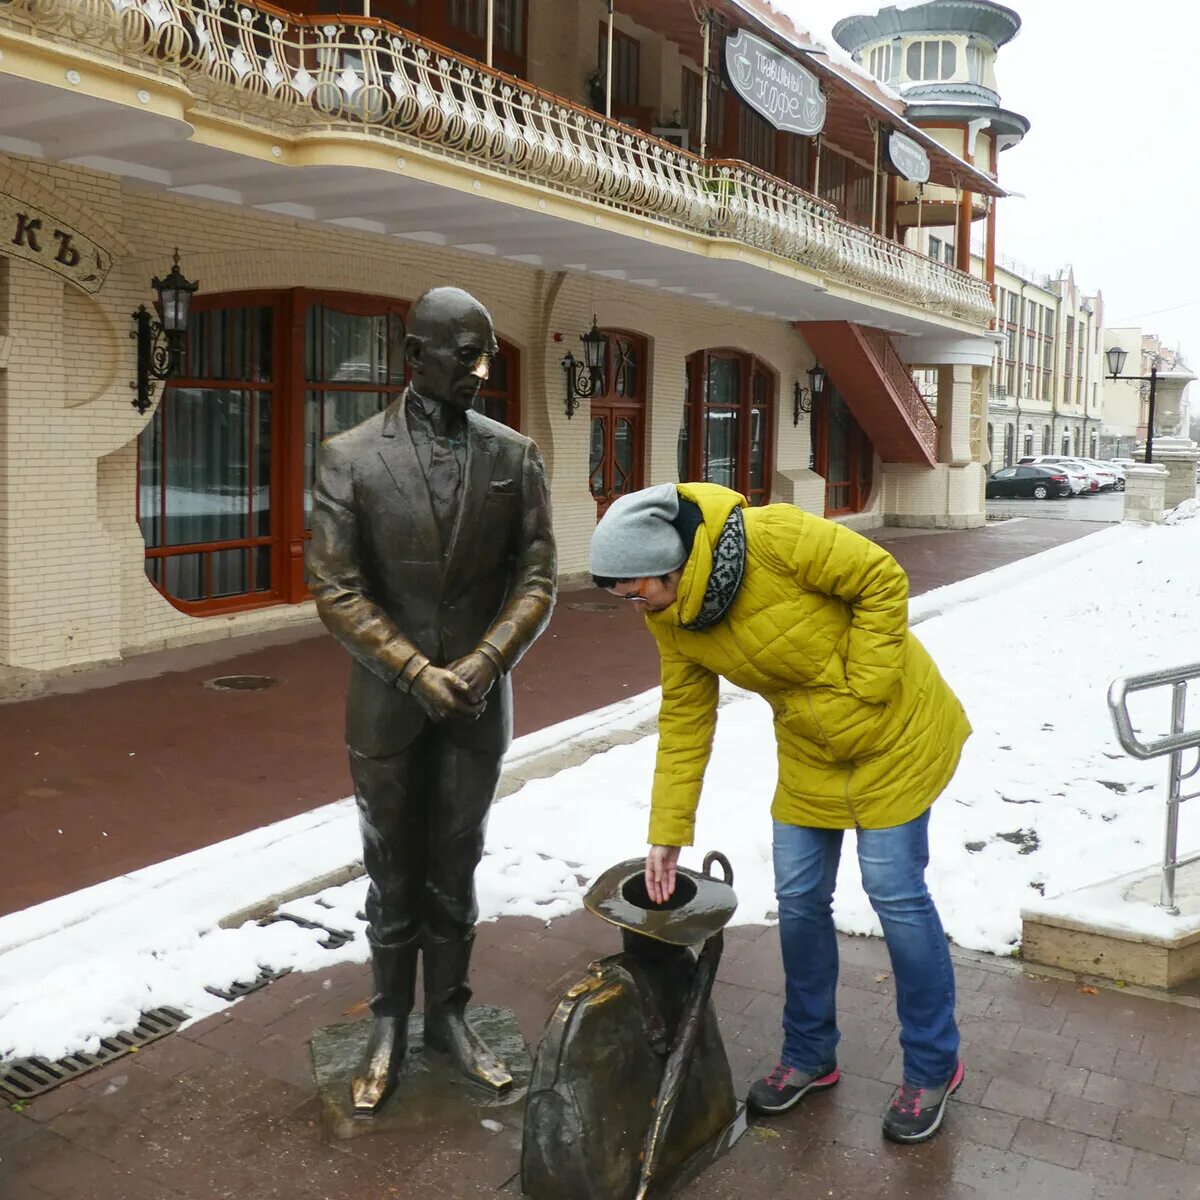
(449,346)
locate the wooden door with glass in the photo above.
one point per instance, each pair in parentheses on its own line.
(618,421)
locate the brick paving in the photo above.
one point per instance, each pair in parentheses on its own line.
(1068,1095)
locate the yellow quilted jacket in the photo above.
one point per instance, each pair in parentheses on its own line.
(868,732)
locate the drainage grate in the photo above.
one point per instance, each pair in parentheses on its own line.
(238,989)
(241,683)
(334,938)
(24,1078)
(592,606)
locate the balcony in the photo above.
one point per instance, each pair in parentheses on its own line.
(273,70)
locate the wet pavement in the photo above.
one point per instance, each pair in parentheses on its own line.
(1070,1094)
(1107,507)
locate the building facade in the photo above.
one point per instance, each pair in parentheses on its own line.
(316,173)
(1045,393)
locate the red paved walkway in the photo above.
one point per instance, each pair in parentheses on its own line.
(125,767)
(1069,1095)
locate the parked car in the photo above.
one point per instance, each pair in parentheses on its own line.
(1033,480)
(1117,481)
(1082,480)
(1103,474)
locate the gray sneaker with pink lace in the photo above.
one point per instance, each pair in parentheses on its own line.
(915,1113)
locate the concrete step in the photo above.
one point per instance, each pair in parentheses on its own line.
(1116,930)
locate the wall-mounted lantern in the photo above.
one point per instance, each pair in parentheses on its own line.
(802,397)
(586,378)
(160,343)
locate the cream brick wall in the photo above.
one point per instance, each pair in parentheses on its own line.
(72,583)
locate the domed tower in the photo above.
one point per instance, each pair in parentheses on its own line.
(941,58)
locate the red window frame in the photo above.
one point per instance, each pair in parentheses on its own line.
(288,388)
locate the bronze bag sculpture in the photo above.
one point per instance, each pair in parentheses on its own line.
(631,1087)
(432,561)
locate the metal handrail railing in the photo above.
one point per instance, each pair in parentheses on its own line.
(1173,745)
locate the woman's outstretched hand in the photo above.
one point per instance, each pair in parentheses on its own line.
(660,872)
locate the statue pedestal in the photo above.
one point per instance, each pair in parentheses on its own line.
(1179,456)
(431,1093)
(1145,489)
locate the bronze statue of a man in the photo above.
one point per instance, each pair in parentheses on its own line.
(432,560)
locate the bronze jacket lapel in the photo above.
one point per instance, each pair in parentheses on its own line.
(400,458)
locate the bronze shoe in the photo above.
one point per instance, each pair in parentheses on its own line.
(448,1030)
(375,1077)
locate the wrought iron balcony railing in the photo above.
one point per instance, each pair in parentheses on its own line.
(269,67)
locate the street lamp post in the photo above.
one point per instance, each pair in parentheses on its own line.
(1116,363)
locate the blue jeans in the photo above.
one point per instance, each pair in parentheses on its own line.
(893,863)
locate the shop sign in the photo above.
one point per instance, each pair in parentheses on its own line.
(29,233)
(775,86)
(908,157)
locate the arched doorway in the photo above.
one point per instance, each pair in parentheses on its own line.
(226,465)
(618,421)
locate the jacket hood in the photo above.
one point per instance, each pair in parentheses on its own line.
(716,503)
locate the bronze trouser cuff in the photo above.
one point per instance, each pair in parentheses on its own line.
(412,668)
(494,657)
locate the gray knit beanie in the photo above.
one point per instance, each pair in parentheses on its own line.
(635,538)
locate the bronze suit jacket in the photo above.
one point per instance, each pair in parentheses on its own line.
(389,591)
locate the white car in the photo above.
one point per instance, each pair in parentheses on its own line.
(1112,477)
(1081,481)
(1104,476)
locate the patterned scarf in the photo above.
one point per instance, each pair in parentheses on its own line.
(729,565)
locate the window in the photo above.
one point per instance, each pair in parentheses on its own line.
(833,179)
(204,459)
(948,253)
(458,24)
(1012,308)
(757,139)
(226,464)
(935,248)
(1045,439)
(690,106)
(931,60)
(627,67)
(727,429)
(1009,436)
(1066,442)
(880,63)
(470,17)
(1028,441)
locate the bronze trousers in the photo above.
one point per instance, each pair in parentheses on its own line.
(423,816)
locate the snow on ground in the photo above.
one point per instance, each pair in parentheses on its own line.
(1044,800)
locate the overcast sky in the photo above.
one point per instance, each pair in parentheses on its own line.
(1110,170)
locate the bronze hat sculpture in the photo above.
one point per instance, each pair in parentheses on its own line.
(699,907)
(631,1090)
